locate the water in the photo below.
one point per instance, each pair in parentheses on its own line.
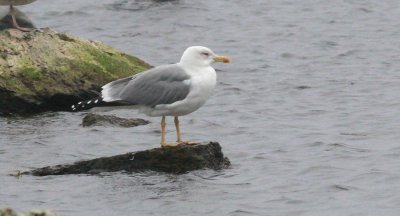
(307,111)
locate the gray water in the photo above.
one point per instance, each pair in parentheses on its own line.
(307,112)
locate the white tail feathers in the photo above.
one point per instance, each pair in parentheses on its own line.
(109,94)
(111,91)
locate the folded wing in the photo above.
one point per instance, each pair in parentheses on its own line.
(161,85)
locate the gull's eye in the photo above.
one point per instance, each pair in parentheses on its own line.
(205,54)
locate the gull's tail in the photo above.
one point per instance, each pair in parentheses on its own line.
(109,96)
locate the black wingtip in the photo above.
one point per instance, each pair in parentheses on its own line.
(88,104)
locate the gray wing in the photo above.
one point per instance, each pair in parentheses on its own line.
(160,85)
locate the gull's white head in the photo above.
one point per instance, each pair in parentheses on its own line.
(201,57)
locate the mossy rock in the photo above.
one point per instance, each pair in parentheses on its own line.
(44,70)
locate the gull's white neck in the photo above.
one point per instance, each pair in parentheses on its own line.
(196,70)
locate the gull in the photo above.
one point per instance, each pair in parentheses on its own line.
(167,90)
(12,12)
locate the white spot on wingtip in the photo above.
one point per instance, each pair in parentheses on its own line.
(96,101)
(73,106)
(80,102)
(89,102)
(187,82)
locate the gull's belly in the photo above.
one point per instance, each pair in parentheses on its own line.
(191,103)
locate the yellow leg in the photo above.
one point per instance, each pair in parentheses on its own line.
(178,130)
(14,21)
(178,134)
(163,144)
(163,131)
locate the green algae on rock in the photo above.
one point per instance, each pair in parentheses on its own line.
(46,70)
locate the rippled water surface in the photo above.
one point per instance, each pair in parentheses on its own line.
(308,111)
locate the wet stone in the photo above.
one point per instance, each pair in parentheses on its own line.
(92,119)
(179,159)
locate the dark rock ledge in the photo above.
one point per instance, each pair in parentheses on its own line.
(180,159)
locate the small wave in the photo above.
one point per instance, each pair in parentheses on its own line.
(136,5)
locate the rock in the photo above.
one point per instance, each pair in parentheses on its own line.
(39,213)
(49,71)
(180,159)
(7,212)
(22,20)
(10,212)
(92,119)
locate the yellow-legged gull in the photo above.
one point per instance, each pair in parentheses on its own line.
(167,90)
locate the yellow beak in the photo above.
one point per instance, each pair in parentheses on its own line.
(223,59)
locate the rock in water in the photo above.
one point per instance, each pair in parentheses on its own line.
(10,212)
(39,213)
(180,159)
(92,119)
(49,71)
(7,212)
